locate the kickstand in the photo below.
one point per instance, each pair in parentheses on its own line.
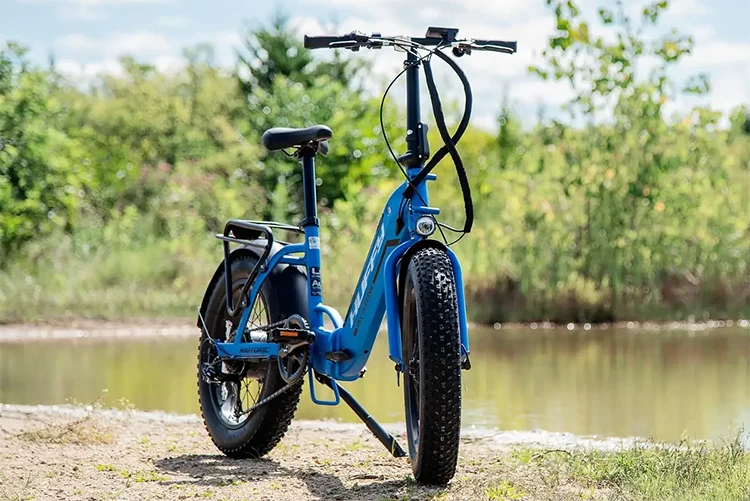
(383,436)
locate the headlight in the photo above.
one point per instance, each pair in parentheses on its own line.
(426,225)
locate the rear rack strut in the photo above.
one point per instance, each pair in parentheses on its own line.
(240,231)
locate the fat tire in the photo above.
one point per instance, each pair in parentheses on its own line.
(430,310)
(266,426)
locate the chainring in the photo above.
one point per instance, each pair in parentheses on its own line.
(293,359)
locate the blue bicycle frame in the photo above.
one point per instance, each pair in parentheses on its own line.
(376,293)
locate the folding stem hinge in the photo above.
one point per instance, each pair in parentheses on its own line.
(417,146)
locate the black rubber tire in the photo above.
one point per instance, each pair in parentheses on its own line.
(430,324)
(266,426)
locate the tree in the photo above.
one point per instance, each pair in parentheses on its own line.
(286,87)
(638,173)
(40,183)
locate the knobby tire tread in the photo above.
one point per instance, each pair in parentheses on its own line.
(278,413)
(440,366)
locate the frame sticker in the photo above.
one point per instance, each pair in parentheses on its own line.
(316,284)
(313,242)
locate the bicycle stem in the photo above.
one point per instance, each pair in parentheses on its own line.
(413,112)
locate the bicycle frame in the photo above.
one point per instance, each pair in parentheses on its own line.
(376,293)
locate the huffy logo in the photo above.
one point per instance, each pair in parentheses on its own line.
(376,248)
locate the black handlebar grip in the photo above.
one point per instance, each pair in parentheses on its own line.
(498,43)
(319,42)
(324,42)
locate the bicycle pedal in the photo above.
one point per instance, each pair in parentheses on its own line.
(289,335)
(338,356)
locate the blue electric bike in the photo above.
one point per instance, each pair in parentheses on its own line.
(263,318)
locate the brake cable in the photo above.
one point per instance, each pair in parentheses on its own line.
(449,142)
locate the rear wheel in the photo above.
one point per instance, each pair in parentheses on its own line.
(224,405)
(432,366)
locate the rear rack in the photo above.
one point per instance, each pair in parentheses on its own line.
(244,232)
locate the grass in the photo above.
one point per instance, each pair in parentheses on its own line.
(144,476)
(505,490)
(154,279)
(647,471)
(167,278)
(83,431)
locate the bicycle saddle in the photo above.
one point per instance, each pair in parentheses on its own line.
(279,138)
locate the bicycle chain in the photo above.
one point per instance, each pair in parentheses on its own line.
(273,395)
(278,392)
(281,390)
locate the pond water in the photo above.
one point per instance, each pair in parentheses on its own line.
(612,382)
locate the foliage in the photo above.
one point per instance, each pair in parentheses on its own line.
(618,209)
(285,87)
(39,183)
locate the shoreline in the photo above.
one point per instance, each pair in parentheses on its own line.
(140,328)
(85,453)
(493,438)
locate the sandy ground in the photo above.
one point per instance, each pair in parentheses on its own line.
(77,453)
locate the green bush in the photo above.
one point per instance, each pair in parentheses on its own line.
(109,197)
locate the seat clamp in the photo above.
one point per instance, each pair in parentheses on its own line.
(309,221)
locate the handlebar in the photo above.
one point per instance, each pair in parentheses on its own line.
(355,40)
(441,38)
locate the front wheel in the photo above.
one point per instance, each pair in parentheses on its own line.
(432,366)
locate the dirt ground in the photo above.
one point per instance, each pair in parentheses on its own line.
(64,453)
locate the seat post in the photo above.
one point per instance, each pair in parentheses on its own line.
(308,187)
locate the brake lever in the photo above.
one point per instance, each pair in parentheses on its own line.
(493,48)
(347,44)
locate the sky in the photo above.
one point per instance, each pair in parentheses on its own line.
(88,36)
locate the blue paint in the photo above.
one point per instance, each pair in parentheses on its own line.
(248,350)
(375,296)
(315,399)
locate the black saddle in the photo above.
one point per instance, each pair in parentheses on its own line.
(279,138)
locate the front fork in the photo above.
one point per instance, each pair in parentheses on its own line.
(393,310)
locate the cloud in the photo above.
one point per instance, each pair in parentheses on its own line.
(76,42)
(729,88)
(169,64)
(685,9)
(717,53)
(224,43)
(528,22)
(173,22)
(142,43)
(86,72)
(153,48)
(88,10)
